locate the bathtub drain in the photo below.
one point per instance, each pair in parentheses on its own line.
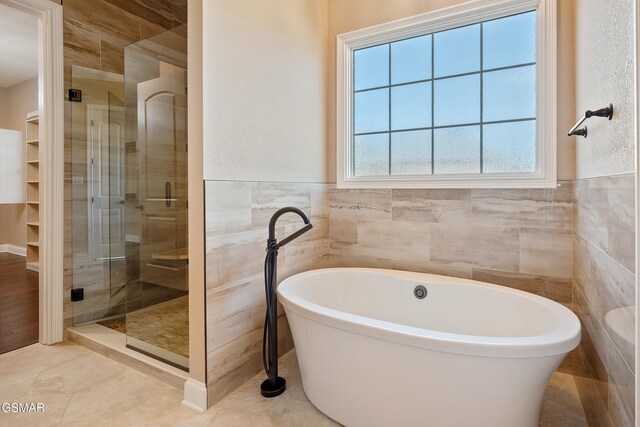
(420,292)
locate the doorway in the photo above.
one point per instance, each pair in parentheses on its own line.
(39,222)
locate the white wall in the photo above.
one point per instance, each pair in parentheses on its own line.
(604,74)
(18,100)
(264,90)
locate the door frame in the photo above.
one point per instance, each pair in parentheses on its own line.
(636,61)
(51,108)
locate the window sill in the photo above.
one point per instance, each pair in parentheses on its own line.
(449,182)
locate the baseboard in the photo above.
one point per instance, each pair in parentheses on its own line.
(13,249)
(195,395)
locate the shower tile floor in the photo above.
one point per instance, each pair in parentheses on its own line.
(79,387)
(164,325)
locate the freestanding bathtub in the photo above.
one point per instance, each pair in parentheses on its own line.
(468,354)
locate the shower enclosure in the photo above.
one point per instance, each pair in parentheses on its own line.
(129,167)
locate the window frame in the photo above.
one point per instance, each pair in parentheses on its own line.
(431,22)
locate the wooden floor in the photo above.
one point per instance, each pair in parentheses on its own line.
(18,303)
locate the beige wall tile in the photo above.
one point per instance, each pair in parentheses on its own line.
(343,232)
(236,222)
(548,208)
(606,366)
(555,288)
(313,244)
(483,247)
(393,240)
(228,206)
(361,204)
(81,47)
(604,215)
(268,197)
(104,19)
(431,205)
(111,57)
(228,313)
(156,11)
(621,220)
(605,284)
(546,251)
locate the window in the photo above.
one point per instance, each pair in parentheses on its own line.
(458,98)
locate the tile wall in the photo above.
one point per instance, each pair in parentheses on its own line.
(604,297)
(517,238)
(237,217)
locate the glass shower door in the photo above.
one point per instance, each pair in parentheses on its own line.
(97,137)
(157,105)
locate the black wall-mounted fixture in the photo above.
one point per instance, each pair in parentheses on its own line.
(77,294)
(75,95)
(603,112)
(274,385)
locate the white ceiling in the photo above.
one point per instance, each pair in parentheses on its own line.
(18,46)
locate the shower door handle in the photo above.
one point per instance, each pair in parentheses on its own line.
(167,194)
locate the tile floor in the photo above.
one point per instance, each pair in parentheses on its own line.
(81,388)
(164,325)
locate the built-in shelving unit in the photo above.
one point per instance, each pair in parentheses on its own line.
(33,191)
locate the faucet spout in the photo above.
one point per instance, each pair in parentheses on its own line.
(272,242)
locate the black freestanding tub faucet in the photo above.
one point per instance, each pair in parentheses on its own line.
(274,385)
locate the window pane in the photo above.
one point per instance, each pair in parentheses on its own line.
(457,100)
(509,147)
(411,60)
(457,150)
(411,106)
(509,94)
(411,153)
(457,51)
(371,154)
(371,67)
(371,111)
(509,41)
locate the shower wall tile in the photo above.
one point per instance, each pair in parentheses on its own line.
(111,57)
(104,19)
(155,11)
(237,219)
(81,47)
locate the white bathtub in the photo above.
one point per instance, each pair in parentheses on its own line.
(469,354)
